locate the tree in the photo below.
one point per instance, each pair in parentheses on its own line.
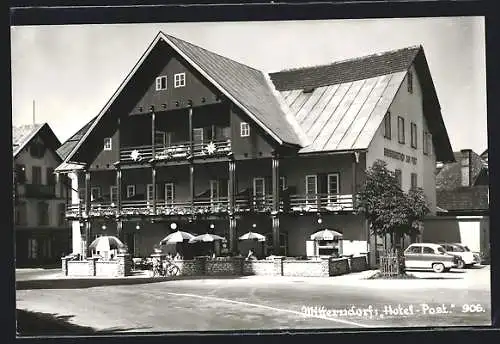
(389,209)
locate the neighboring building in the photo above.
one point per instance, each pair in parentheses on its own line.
(230,146)
(462,190)
(484,156)
(41,229)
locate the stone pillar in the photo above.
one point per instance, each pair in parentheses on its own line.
(278,266)
(92,266)
(64,263)
(124,264)
(276,235)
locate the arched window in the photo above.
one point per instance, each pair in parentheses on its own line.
(283,244)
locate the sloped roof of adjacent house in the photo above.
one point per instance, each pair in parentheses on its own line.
(340,106)
(22,136)
(342,110)
(452,196)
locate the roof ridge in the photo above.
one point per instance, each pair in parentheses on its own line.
(211,52)
(351,59)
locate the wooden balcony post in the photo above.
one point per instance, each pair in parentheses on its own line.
(153,133)
(355,162)
(153,181)
(119,229)
(87,229)
(118,189)
(191,185)
(191,143)
(232,186)
(233,235)
(88,194)
(276,204)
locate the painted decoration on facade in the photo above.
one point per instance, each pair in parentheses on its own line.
(399,156)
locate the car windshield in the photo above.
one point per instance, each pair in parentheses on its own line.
(458,248)
(441,250)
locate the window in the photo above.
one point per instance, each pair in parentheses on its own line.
(43,213)
(399,177)
(51,177)
(332,187)
(413,135)
(244,129)
(160,138)
(95,193)
(107,143)
(47,248)
(130,191)
(214,190)
(21,214)
(149,193)
(161,83)
(429,250)
(259,187)
(20,174)
(32,248)
(415,250)
(311,188)
(180,80)
(410,82)
(61,214)
(283,244)
(387,125)
(36,175)
(113,194)
(427,143)
(169,193)
(282,183)
(401,129)
(414,181)
(37,150)
(198,134)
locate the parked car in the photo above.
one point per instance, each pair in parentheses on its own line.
(467,258)
(429,256)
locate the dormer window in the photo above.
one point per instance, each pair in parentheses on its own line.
(179,80)
(107,143)
(161,83)
(244,129)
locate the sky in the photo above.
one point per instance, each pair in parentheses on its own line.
(71,71)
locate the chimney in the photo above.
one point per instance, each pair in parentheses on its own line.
(465,166)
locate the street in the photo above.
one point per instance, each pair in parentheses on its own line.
(457,298)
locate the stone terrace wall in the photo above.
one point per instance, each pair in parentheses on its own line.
(259,267)
(357,264)
(306,268)
(226,267)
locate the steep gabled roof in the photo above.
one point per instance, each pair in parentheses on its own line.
(22,136)
(246,87)
(340,106)
(71,143)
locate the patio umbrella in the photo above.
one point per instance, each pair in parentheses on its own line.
(176,237)
(326,234)
(207,238)
(253,236)
(106,243)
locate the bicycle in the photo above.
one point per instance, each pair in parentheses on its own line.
(165,268)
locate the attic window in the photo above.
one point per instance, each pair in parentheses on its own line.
(107,144)
(179,80)
(308,90)
(410,82)
(161,83)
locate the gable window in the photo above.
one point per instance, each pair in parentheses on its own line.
(95,193)
(169,193)
(410,82)
(401,129)
(413,127)
(113,193)
(161,83)
(414,181)
(180,80)
(36,175)
(399,177)
(130,191)
(244,129)
(387,125)
(37,150)
(107,143)
(43,213)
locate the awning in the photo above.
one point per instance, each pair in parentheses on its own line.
(67,167)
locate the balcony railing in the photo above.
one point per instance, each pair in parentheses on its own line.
(321,202)
(206,206)
(177,151)
(39,191)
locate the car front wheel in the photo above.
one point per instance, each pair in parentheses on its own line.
(438,267)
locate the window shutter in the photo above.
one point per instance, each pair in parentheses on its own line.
(322,183)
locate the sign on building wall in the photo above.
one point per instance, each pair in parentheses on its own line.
(399,156)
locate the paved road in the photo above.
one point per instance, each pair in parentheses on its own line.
(280,303)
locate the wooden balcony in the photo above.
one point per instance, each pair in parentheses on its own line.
(321,203)
(176,152)
(219,206)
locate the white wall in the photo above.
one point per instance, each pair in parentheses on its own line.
(409,106)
